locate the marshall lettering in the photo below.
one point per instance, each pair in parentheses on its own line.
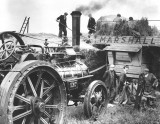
(126,40)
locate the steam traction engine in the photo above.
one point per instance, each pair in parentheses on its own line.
(37,82)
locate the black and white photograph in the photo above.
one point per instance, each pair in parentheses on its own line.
(80,62)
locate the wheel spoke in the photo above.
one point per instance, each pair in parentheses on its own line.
(43,120)
(47,83)
(51,106)
(23,98)
(25,88)
(39,80)
(2,53)
(14,57)
(6,54)
(48,98)
(24,121)
(46,113)
(48,90)
(42,87)
(22,115)
(32,87)
(14,108)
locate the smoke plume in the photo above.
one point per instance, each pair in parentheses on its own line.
(92,7)
(144,8)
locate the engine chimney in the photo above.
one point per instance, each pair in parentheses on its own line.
(76,29)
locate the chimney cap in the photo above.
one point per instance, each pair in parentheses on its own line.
(76,13)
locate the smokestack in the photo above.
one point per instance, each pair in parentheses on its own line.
(76,29)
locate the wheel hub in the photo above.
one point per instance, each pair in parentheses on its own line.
(41,106)
(38,106)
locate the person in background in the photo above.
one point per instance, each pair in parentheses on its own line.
(146,86)
(151,81)
(140,91)
(91,25)
(62,19)
(109,78)
(132,27)
(118,21)
(123,78)
(123,88)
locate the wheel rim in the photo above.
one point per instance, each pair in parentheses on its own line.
(36,99)
(95,99)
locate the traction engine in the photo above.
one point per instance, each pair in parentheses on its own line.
(37,82)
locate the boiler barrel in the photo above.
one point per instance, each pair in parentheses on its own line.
(75,70)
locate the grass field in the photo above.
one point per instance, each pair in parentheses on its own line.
(116,115)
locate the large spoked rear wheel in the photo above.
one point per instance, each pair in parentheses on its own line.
(36,97)
(95,99)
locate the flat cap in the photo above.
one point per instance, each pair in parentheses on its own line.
(146,70)
(65,13)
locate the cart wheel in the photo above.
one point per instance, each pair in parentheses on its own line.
(95,98)
(36,96)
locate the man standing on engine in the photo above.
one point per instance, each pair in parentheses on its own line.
(91,25)
(118,21)
(62,24)
(132,28)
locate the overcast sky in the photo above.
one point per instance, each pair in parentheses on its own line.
(43,13)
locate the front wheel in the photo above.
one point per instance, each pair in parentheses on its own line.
(36,96)
(95,98)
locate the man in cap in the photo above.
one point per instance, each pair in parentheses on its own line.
(123,88)
(132,27)
(91,25)
(150,81)
(118,21)
(62,19)
(146,86)
(109,78)
(123,78)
